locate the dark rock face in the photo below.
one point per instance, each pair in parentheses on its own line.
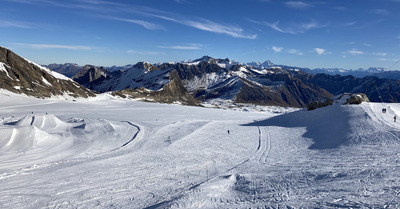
(90,74)
(22,76)
(354,98)
(173,92)
(319,104)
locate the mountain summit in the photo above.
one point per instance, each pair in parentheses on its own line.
(19,75)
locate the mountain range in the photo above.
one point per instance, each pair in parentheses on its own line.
(195,82)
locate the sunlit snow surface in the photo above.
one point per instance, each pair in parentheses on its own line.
(111,153)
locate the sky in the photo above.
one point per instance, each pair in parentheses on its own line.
(347,34)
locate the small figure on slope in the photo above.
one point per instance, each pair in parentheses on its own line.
(394,118)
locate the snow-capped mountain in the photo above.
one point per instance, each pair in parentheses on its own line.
(377,89)
(208,80)
(22,76)
(359,73)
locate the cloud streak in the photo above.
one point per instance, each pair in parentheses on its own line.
(55,46)
(298,5)
(145,24)
(14,24)
(355,52)
(210,26)
(294,28)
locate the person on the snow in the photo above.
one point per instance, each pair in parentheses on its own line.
(394,118)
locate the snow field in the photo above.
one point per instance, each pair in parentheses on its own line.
(183,157)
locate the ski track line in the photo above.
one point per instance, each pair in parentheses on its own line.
(267,148)
(133,138)
(167,203)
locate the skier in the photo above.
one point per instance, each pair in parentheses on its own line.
(394,118)
(228,131)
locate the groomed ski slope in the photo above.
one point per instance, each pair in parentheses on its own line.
(111,153)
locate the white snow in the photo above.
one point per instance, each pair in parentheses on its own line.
(3,68)
(46,82)
(55,74)
(105,152)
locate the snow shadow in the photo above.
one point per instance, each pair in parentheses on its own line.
(328,127)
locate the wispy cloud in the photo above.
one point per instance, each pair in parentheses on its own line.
(298,5)
(387,59)
(319,51)
(183,47)
(103,7)
(350,23)
(293,28)
(295,51)
(379,11)
(145,24)
(14,24)
(277,49)
(181,1)
(210,26)
(381,54)
(55,46)
(355,52)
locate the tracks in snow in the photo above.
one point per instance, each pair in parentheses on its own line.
(260,155)
(134,136)
(264,146)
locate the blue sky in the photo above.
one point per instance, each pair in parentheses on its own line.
(346,34)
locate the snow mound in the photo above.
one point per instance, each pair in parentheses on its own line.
(341,125)
(23,138)
(43,122)
(45,138)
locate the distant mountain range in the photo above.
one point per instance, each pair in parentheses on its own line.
(211,80)
(206,80)
(69,69)
(195,82)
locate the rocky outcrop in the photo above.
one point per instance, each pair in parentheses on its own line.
(90,74)
(19,75)
(173,92)
(319,104)
(351,98)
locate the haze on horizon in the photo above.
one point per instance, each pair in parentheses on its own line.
(315,34)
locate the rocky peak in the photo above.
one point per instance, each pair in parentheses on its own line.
(19,75)
(145,65)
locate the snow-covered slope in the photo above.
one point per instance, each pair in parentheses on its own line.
(111,153)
